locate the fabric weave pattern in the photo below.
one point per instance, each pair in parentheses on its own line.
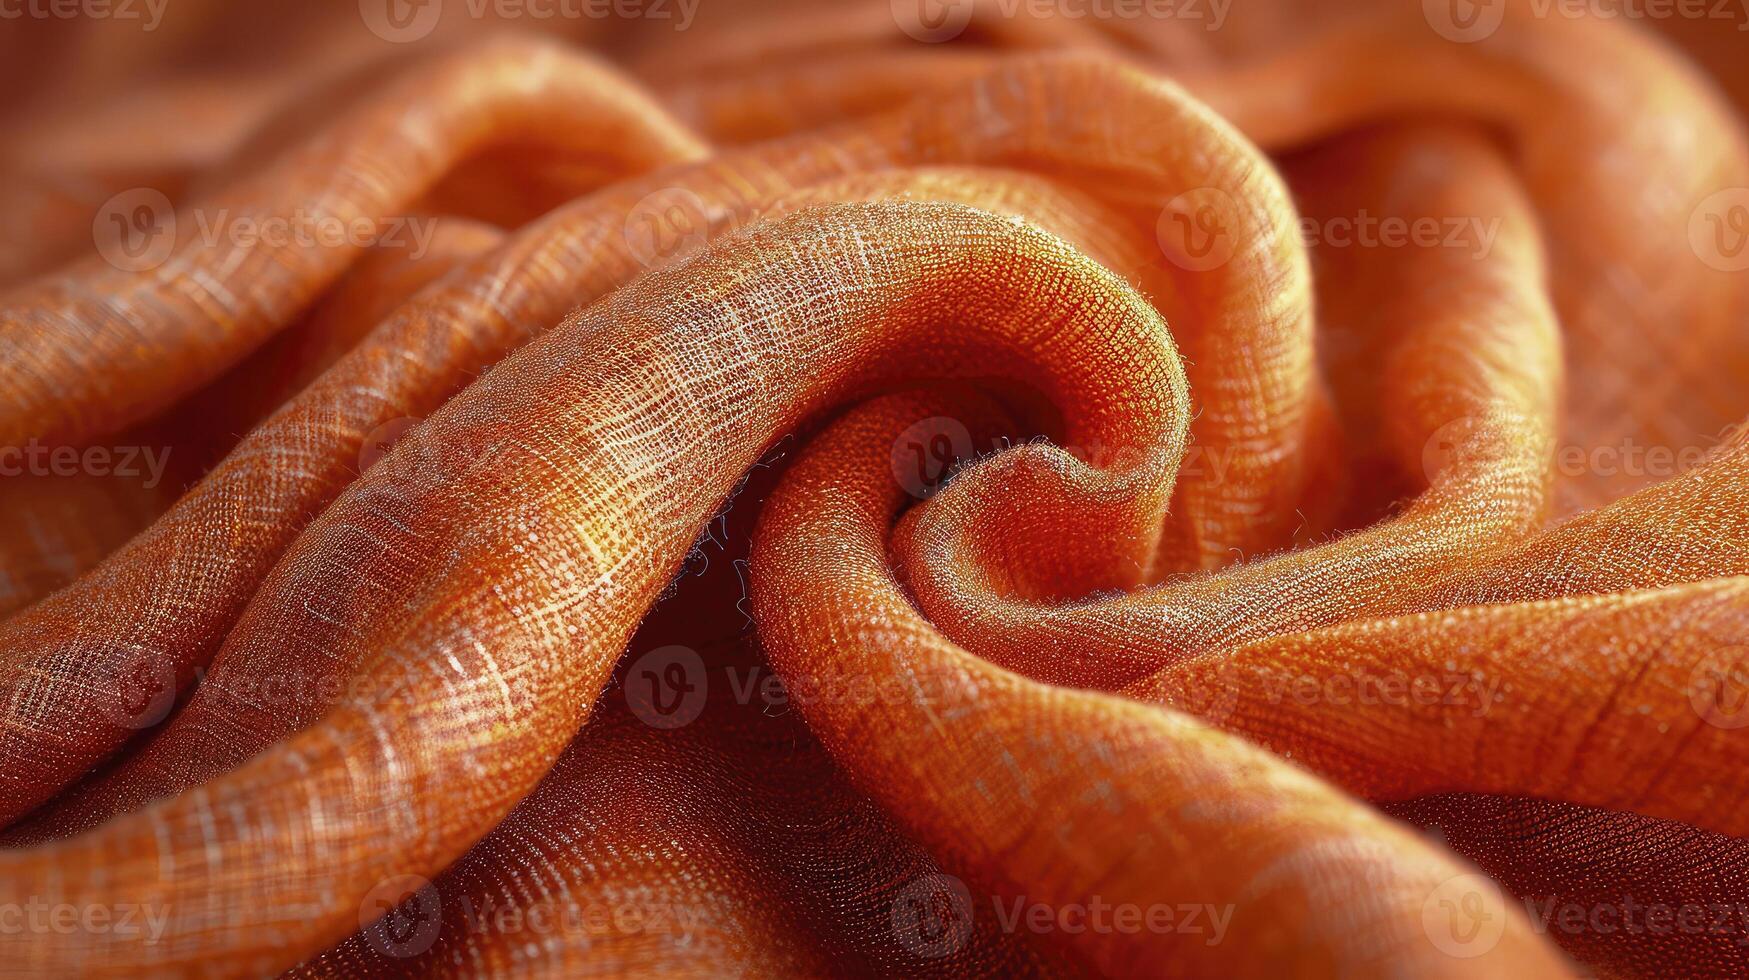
(853,490)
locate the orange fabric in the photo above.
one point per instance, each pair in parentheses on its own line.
(845,489)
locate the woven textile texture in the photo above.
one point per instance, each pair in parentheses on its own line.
(780,488)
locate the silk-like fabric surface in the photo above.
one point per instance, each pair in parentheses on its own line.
(970,488)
